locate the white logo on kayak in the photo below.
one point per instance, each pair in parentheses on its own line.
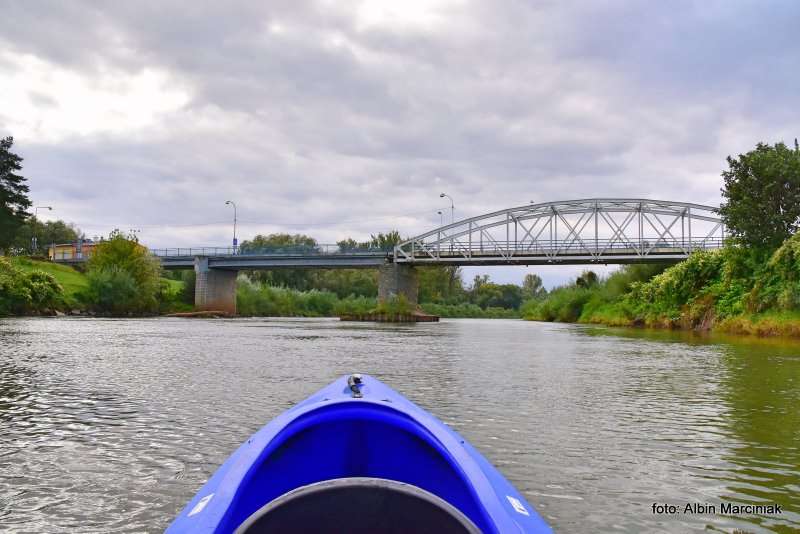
(202,504)
(518,506)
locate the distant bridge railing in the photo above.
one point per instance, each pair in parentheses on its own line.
(288,250)
(598,250)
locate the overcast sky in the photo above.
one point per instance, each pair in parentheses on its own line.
(336,118)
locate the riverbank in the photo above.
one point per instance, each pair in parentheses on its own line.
(33,287)
(253,299)
(767,324)
(732,290)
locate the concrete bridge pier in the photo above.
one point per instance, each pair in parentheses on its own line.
(398,279)
(215,289)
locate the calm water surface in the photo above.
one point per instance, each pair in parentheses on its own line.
(112,425)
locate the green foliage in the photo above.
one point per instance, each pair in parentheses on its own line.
(258,299)
(441,284)
(563,304)
(14,201)
(113,290)
(590,299)
(355,305)
(385,241)
(469,310)
(587,280)
(487,294)
(344,282)
(741,289)
(24,292)
(395,305)
(532,287)
(281,244)
(189,279)
(123,277)
(73,282)
(762,195)
(778,285)
(46,233)
(663,297)
(380,241)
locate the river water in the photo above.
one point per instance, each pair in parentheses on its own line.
(112,425)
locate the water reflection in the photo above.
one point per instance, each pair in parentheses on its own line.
(757,382)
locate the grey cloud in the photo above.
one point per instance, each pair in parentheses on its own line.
(504,103)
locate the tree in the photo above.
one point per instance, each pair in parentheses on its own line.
(762,195)
(46,233)
(532,287)
(587,280)
(14,199)
(385,241)
(281,244)
(123,277)
(440,284)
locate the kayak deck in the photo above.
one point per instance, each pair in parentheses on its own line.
(356,433)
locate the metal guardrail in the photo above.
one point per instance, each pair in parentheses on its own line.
(555,248)
(289,250)
(592,248)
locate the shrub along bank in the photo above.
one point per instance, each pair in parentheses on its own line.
(735,289)
(34,287)
(25,292)
(258,299)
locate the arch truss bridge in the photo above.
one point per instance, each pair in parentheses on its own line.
(597,230)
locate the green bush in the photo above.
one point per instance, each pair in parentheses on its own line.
(113,290)
(27,292)
(469,310)
(354,305)
(256,299)
(564,304)
(778,284)
(678,285)
(123,278)
(395,305)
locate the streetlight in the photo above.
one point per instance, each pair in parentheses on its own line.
(441,218)
(452,207)
(34,240)
(235,243)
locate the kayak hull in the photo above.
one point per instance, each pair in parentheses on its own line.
(348,432)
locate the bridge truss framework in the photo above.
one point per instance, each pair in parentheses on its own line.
(596,230)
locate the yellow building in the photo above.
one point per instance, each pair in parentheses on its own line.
(77,251)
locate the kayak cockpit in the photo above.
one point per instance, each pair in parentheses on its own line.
(358,505)
(335,454)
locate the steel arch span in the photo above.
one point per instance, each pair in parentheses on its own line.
(594,230)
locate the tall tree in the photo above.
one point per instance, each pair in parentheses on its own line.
(14,200)
(532,287)
(762,195)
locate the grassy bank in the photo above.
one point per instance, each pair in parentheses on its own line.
(74,285)
(72,281)
(733,290)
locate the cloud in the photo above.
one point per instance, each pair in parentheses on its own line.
(346,118)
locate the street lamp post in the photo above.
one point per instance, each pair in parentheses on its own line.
(452,207)
(441,218)
(235,242)
(34,240)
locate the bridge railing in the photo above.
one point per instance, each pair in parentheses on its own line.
(288,250)
(545,247)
